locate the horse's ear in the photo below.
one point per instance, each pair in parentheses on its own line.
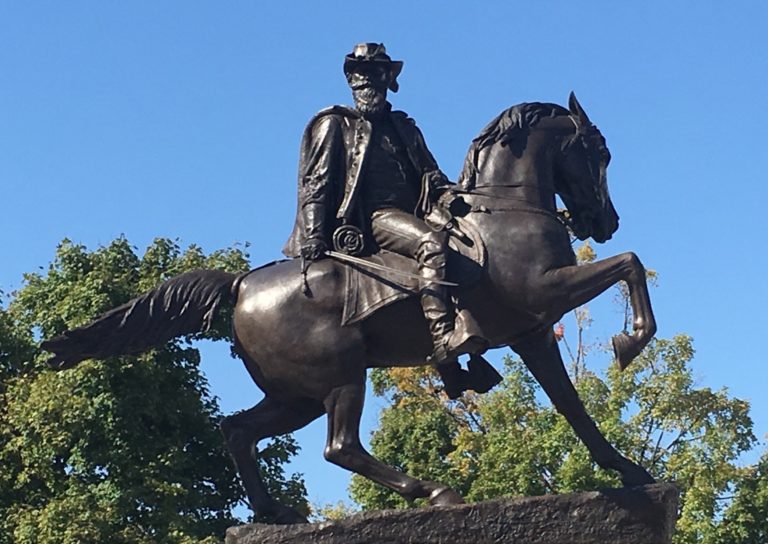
(578,111)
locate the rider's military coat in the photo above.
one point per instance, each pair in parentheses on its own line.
(332,169)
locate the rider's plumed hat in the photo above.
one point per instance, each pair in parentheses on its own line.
(373,52)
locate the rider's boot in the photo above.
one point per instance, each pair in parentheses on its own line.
(449,341)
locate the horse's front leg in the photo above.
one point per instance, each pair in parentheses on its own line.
(541,355)
(344,406)
(569,287)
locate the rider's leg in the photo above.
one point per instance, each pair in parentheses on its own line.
(435,300)
(407,235)
(451,337)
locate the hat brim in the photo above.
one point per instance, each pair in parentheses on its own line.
(351,62)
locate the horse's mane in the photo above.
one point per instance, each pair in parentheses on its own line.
(509,125)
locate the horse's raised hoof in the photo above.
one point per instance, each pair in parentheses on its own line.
(625,349)
(285,515)
(444,496)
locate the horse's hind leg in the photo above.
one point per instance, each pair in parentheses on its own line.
(572,286)
(344,406)
(541,355)
(242,432)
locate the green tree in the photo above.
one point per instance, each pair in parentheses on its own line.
(512,442)
(745,520)
(125,450)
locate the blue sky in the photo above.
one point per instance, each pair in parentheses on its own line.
(183,120)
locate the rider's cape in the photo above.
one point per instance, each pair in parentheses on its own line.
(332,160)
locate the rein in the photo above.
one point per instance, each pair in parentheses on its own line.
(559,217)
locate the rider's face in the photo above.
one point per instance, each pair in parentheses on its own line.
(369,74)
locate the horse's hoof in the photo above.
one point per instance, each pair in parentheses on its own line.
(285,515)
(444,496)
(625,349)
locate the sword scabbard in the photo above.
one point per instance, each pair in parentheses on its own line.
(349,259)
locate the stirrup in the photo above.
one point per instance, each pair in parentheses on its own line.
(455,379)
(481,376)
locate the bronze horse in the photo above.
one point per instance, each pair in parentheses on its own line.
(307,364)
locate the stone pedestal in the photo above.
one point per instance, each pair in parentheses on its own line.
(642,515)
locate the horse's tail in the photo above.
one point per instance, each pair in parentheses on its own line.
(185,304)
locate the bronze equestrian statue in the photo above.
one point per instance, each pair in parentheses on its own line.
(291,323)
(369,167)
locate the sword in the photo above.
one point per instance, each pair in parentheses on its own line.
(343,257)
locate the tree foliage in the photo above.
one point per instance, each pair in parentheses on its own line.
(125,450)
(745,520)
(512,442)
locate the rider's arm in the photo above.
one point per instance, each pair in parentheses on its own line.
(429,168)
(322,169)
(433,181)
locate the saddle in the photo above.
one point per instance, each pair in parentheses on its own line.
(370,290)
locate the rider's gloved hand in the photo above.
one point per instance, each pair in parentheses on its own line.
(313,249)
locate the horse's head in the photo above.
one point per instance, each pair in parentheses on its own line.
(581,179)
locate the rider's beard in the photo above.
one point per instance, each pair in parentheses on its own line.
(370,100)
